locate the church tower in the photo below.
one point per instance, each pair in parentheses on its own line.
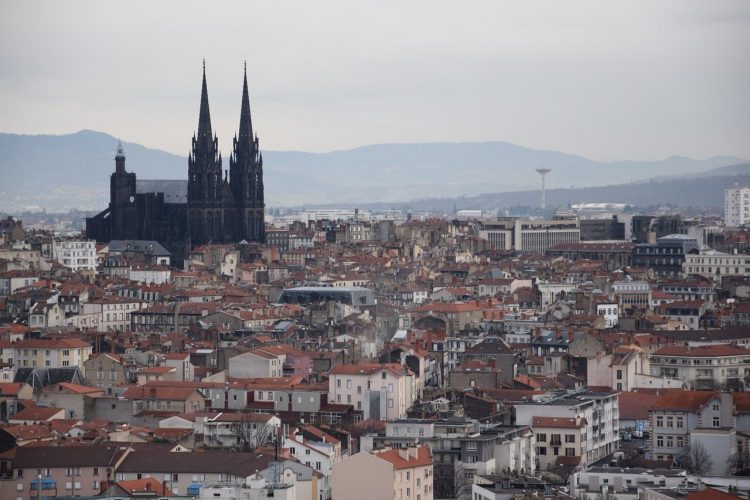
(246,177)
(205,183)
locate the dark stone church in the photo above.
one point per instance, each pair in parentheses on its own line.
(207,208)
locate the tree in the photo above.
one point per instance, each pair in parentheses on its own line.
(696,459)
(736,464)
(249,435)
(461,484)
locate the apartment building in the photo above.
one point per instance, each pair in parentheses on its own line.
(600,411)
(681,418)
(703,367)
(400,474)
(51,353)
(737,206)
(560,441)
(51,471)
(112,313)
(381,391)
(75,255)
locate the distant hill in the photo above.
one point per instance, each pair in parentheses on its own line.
(60,172)
(704,190)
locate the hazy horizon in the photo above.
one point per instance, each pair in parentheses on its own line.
(616,81)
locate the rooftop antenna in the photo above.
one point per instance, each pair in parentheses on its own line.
(543,172)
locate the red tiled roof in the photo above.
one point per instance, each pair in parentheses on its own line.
(703,351)
(423,458)
(683,400)
(558,423)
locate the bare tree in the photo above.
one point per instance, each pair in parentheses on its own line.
(250,435)
(696,459)
(606,495)
(461,484)
(736,464)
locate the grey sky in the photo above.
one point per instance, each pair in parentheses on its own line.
(607,80)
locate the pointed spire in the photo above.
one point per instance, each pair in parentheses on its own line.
(246,124)
(204,120)
(120,151)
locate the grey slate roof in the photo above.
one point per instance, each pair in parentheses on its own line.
(175,190)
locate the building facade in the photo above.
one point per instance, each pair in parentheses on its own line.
(737,206)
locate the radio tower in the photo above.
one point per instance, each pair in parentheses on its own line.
(543,172)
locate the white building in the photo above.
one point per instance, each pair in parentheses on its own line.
(737,206)
(713,265)
(75,255)
(380,391)
(599,409)
(536,236)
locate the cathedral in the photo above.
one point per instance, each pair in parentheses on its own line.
(207,208)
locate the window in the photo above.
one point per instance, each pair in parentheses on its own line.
(717,422)
(338,383)
(670,422)
(619,374)
(570,452)
(715,407)
(660,421)
(542,438)
(390,402)
(542,450)
(349,383)
(660,441)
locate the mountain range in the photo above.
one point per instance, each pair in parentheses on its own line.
(59,172)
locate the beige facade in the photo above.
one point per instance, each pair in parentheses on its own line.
(63,353)
(403,474)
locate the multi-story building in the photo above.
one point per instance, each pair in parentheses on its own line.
(665,257)
(560,437)
(75,255)
(11,281)
(737,206)
(536,236)
(600,410)
(57,353)
(112,313)
(632,294)
(44,471)
(679,419)
(703,367)
(381,391)
(400,474)
(714,265)
(107,371)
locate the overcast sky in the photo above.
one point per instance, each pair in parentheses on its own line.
(607,80)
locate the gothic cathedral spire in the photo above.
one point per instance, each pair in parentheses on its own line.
(246,175)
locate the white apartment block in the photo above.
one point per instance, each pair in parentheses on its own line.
(599,409)
(59,353)
(737,206)
(75,255)
(380,391)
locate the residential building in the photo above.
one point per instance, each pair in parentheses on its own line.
(51,353)
(560,441)
(62,472)
(76,255)
(703,367)
(599,410)
(737,206)
(399,474)
(679,419)
(381,391)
